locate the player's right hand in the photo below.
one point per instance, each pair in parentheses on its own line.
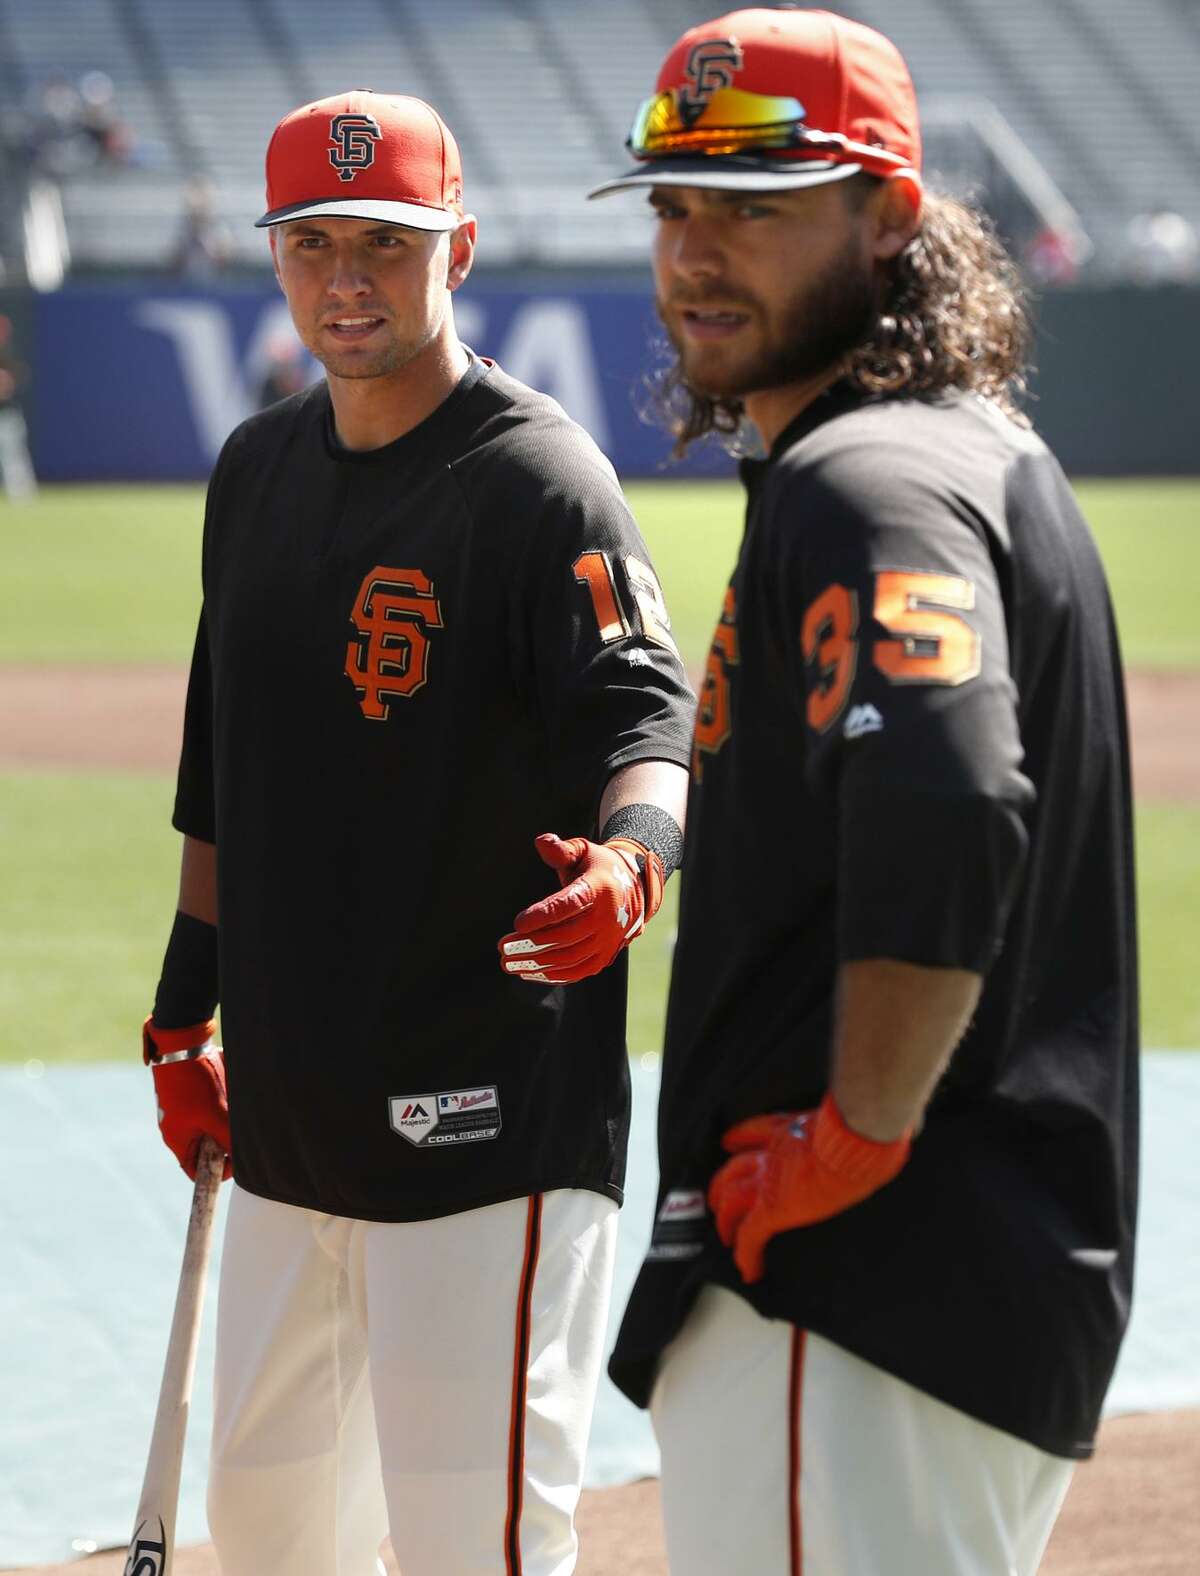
(794,1168)
(192,1103)
(608,893)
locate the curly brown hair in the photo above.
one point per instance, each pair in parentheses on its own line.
(953,316)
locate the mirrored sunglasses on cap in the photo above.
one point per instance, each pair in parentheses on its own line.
(732,121)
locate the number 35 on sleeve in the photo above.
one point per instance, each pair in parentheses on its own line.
(929,644)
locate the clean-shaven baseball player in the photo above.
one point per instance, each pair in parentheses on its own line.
(891,1263)
(434,688)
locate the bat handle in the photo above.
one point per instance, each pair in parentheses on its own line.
(151,1550)
(210,1169)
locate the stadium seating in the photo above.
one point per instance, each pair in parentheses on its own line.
(540,93)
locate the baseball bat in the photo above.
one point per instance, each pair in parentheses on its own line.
(152,1547)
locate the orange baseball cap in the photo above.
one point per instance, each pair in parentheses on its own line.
(365,155)
(764,100)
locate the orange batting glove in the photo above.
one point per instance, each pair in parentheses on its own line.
(608,892)
(189,1085)
(793,1169)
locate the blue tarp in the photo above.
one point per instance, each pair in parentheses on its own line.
(92,1215)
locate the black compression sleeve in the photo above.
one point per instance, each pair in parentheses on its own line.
(653,827)
(188,991)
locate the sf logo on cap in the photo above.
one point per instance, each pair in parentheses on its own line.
(354,138)
(710,65)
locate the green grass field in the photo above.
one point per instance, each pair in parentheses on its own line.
(89,860)
(112,573)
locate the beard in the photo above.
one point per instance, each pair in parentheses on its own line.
(819,326)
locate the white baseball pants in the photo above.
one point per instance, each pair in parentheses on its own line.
(434,1379)
(783,1455)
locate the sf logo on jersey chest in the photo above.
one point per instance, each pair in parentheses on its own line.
(389,657)
(353,138)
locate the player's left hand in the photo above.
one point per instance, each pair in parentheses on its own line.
(190,1092)
(608,892)
(792,1169)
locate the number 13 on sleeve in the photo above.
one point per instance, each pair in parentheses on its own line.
(595,571)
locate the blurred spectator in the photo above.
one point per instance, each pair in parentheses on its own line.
(52,125)
(287,371)
(1052,257)
(99,121)
(69,128)
(204,245)
(16,468)
(1162,248)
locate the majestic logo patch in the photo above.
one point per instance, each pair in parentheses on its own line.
(354,138)
(389,660)
(460,1116)
(710,66)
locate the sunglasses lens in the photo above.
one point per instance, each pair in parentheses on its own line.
(727,122)
(656,119)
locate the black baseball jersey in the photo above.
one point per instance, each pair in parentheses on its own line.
(409,663)
(911,744)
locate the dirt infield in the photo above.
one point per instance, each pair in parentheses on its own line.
(1133,1511)
(131,717)
(81,718)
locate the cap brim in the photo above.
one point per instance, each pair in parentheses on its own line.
(720,175)
(413,216)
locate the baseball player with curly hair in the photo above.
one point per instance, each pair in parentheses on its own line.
(891,1261)
(434,687)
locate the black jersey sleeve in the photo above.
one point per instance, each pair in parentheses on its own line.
(901,672)
(195,808)
(610,687)
(195,800)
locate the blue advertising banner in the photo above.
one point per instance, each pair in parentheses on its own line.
(135,383)
(142,384)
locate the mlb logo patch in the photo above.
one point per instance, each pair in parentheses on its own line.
(468,1100)
(679,1226)
(683,1204)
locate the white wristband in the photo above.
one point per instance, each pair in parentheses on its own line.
(192,1054)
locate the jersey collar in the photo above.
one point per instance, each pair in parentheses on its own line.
(419,438)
